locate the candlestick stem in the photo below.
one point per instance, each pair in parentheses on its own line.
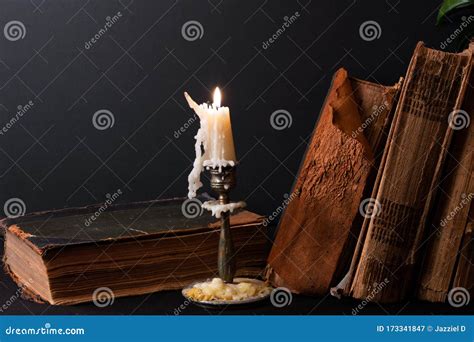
(226,260)
(222,181)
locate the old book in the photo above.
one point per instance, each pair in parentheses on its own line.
(63,257)
(449,256)
(316,233)
(464,276)
(434,86)
(344,286)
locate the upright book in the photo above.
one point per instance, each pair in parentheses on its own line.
(64,256)
(315,238)
(392,237)
(449,258)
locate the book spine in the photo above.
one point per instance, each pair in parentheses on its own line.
(344,286)
(434,87)
(464,278)
(451,219)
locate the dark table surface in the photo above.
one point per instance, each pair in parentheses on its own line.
(172,303)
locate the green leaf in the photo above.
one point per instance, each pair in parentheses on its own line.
(450,5)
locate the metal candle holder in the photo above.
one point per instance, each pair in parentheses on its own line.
(222,181)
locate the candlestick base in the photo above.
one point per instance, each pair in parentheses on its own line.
(223,179)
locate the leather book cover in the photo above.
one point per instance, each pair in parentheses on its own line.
(318,229)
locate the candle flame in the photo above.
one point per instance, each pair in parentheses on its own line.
(217,97)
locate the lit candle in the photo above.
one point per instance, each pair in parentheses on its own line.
(214,136)
(220,140)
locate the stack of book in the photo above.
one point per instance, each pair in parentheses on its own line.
(383,201)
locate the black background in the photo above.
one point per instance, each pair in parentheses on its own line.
(53,157)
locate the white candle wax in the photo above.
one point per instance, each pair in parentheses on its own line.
(194,178)
(214,136)
(220,138)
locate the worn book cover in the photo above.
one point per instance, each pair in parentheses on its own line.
(434,86)
(316,233)
(63,256)
(449,258)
